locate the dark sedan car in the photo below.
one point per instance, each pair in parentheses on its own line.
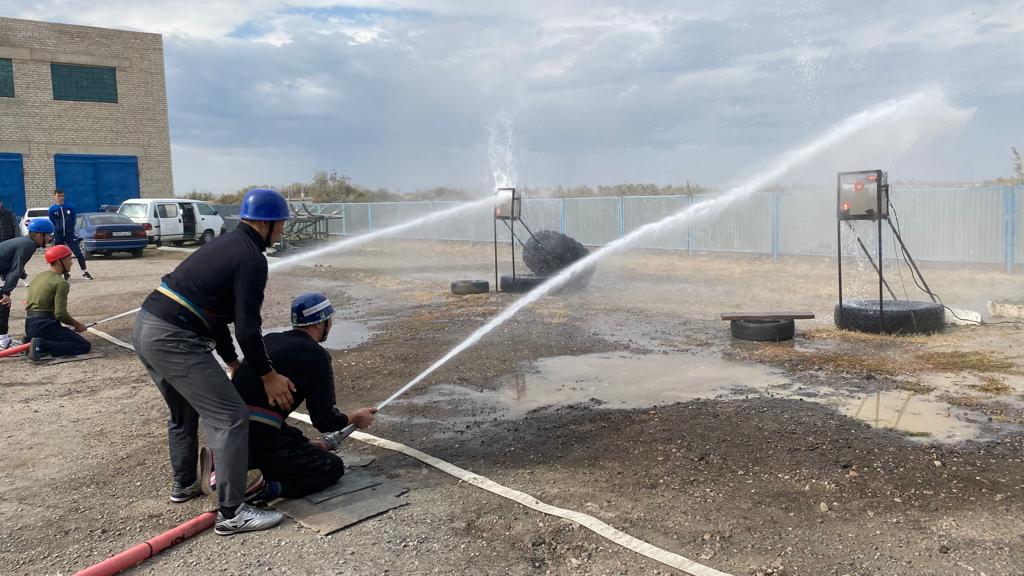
(105,233)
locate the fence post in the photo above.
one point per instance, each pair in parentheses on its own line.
(622,219)
(775,226)
(689,227)
(561,216)
(344,219)
(369,216)
(1009,226)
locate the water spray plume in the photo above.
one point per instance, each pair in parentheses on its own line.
(891,112)
(355,241)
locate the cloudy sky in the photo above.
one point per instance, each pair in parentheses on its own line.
(410,94)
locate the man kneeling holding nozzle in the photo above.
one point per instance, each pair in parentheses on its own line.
(47,310)
(292,465)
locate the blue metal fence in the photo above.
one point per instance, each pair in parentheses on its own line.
(965,224)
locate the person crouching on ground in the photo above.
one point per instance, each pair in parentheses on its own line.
(47,310)
(292,465)
(14,255)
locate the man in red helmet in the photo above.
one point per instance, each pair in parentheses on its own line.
(47,310)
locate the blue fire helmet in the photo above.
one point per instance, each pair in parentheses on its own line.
(264,204)
(311,308)
(40,225)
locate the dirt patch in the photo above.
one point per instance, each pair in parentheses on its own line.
(784,477)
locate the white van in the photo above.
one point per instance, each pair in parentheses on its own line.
(174,220)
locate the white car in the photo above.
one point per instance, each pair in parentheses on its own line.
(32,214)
(174,220)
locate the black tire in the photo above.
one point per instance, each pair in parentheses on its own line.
(900,316)
(521,283)
(206,237)
(548,252)
(763,330)
(471,287)
(137,253)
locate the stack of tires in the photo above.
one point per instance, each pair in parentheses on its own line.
(547,253)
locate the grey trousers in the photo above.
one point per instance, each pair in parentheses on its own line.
(195,386)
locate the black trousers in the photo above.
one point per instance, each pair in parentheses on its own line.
(5,318)
(76,249)
(286,456)
(56,339)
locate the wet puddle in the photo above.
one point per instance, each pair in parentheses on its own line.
(623,380)
(617,380)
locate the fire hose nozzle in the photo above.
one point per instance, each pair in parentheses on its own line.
(333,440)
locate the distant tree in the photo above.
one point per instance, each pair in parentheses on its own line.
(1018,165)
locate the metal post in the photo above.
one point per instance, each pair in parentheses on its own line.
(495,254)
(561,216)
(369,216)
(622,219)
(1010,227)
(775,226)
(839,262)
(344,219)
(881,279)
(689,227)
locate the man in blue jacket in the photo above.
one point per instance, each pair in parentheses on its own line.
(62,215)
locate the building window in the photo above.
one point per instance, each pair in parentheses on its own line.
(6,78)
(84,83)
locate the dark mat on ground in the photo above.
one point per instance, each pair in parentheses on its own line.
(346,510)
(356,460)
(353,481)
(63,359)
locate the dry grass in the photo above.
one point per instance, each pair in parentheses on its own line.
(846,362)
(992,385)
(966,361)
(915,386)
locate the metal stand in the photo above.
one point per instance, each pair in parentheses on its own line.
(879,213)
(509,213)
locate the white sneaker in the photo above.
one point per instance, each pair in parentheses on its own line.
(247,519)
(6,342)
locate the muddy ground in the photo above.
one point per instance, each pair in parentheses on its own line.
(836,453)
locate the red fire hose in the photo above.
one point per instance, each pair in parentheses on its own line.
(141,552)
(13,350)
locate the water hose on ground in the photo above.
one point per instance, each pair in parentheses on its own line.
(14,350)
(141,552)
(593,524)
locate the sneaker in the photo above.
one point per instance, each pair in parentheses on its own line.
(181,493)
(247,519)
(86,275)
(34,353)
(6,342)
(207,477)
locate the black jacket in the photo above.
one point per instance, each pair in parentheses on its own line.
(8,225)
(308,366)
(224,281)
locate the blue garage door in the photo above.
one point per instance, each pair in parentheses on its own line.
(90,181)
(12,183)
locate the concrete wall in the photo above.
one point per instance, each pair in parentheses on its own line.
(37,126)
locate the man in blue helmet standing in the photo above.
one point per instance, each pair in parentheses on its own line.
(292,465)
(179,327)
(14,254)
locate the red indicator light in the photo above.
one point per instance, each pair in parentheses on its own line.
(858,186)
(872,177)
(846,206)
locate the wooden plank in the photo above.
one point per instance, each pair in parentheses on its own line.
(780,315)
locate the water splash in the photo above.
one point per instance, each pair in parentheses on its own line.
(925,109)
(501,150)
(355,241)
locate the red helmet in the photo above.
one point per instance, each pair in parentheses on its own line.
(55,253)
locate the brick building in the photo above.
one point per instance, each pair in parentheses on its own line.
(83,109)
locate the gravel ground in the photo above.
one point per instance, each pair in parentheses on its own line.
(763,479)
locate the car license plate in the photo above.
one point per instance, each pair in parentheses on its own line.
(122,233)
